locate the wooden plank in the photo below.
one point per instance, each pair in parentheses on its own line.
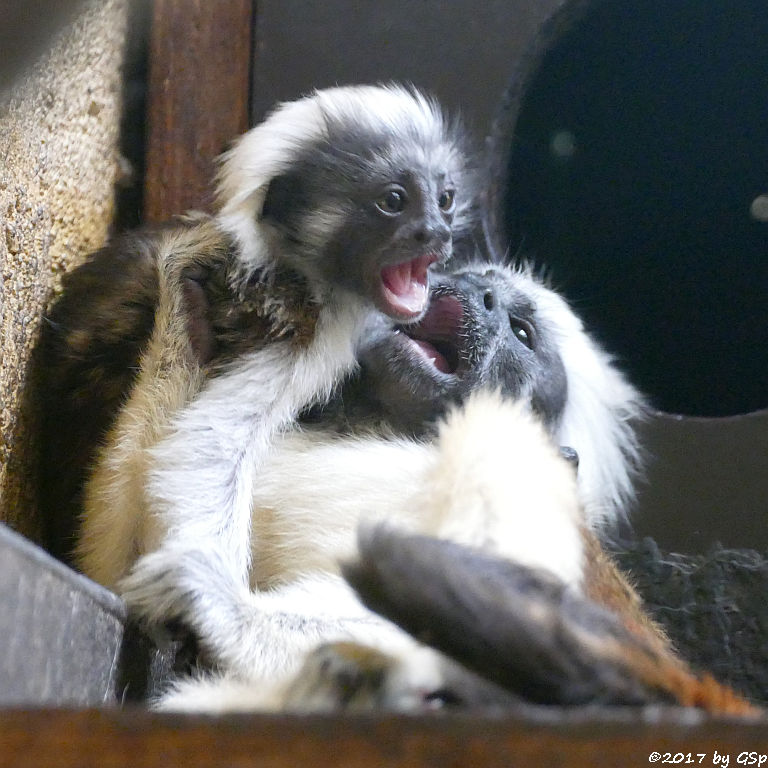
(620,739)
(60,633)
(198,98)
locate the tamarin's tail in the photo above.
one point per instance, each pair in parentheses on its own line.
(88,359)
(89,353)
(523,629)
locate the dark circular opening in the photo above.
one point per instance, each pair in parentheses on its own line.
(638,173)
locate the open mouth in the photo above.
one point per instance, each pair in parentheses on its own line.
(440,336)
(405,287)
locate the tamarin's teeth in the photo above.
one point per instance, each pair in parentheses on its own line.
(405,287)
(420,266)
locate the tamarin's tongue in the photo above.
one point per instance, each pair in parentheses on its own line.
(406,286)
(433,355)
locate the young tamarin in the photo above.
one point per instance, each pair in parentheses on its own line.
(330,211)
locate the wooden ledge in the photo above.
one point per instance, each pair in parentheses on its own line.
(136,738)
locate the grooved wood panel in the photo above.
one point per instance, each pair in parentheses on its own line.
(198,98)
(60,634)
(466,52)
(112,739)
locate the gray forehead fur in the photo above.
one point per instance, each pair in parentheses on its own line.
(355,155)
(331,175)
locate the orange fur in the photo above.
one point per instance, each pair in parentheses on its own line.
(654,660)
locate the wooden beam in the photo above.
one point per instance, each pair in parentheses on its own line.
(198,98)
(135,738)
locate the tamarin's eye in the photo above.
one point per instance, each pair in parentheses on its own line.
(447,200)
(522,331)
(392,201)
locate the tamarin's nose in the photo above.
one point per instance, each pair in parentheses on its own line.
(437,234)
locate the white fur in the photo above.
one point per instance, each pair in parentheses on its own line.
(599,420)
(479,484)
(492,480)
(401,676)
(200,482)
(312,494)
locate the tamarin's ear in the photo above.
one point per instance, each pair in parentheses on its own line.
(196,319)
(570,455)
(284,197)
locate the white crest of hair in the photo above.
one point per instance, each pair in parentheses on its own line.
(268,149)
(600,416)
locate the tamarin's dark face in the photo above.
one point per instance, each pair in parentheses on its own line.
(371,213)
(485,327)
